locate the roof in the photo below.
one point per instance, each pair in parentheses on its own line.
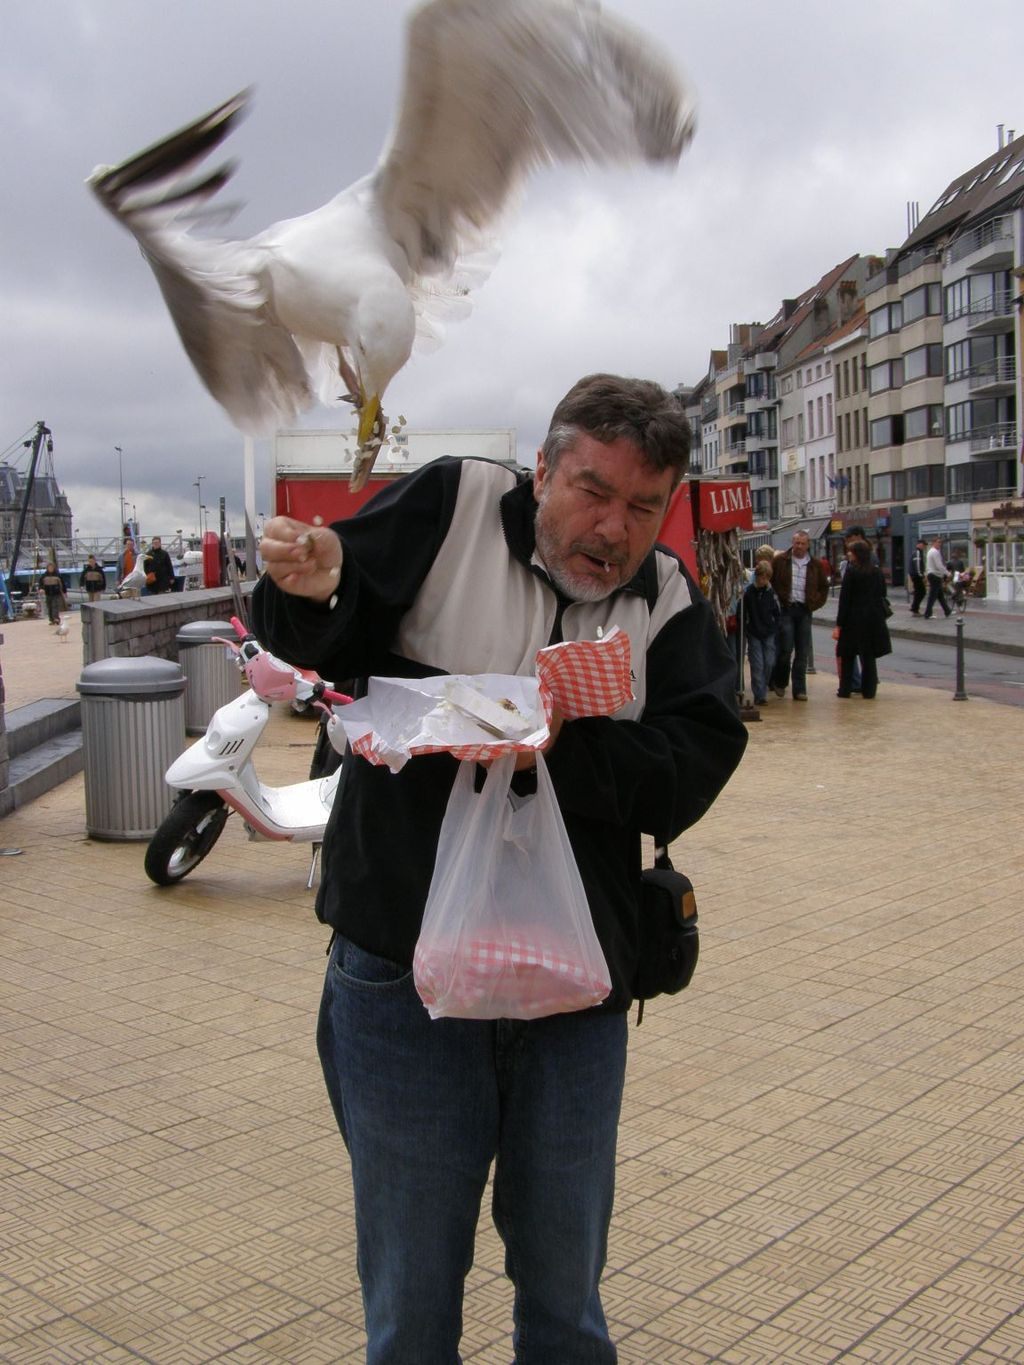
(773,332)
(979,191)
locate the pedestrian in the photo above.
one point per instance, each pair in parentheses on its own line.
(92,580)
(860,631)
(159,569)
(127,556)
(802,587)
(466,566)
(53,588)
(761,616)
(935,571)
(917,576)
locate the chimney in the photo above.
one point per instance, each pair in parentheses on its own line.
(788,308)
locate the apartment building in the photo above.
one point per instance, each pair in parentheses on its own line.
(847,347)
(944,341)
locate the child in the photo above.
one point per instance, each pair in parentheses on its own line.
(761,614)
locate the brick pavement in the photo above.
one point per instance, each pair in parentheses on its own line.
(820,1151)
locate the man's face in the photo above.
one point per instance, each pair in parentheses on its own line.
(156,542)
(800,545)
(598,514)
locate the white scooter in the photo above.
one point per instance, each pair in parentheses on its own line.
(217,775)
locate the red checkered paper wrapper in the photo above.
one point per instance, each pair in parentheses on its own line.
(402,717)
(520,978)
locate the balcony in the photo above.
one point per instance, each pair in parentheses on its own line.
(989,247)
(992,495)
(993,313)
(996,377)
(999,436)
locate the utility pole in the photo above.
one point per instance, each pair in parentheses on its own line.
(198,486)
(42,432)
(120,483)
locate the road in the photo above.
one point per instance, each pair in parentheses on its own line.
(997,677)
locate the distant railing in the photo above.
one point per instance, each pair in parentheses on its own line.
(998,436)
(996,230)
(1003,370)
(993,495)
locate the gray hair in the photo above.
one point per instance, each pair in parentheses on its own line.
(610,408)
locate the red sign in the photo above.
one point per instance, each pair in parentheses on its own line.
(725,506)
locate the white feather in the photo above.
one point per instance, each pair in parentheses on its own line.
(329,304)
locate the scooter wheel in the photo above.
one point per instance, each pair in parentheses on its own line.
(189,831)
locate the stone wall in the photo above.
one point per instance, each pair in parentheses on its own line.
(5,762)
(132,627)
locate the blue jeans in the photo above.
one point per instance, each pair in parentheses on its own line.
(794,644)
(762,660)
(424,1107)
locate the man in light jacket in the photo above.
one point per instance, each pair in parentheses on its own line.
(801,584)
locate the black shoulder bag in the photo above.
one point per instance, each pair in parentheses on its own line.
(668,940)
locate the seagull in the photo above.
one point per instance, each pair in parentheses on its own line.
(62,629)
(493,89)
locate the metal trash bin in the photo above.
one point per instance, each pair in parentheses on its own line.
(133,728)
(211,674)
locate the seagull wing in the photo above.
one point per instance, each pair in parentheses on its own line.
(494,90)
(217,291)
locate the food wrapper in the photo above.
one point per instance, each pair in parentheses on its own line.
(479,717)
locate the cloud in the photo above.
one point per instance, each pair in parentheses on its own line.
(817,124)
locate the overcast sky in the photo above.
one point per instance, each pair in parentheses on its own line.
(817,123)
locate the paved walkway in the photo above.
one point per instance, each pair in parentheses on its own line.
(820,1156)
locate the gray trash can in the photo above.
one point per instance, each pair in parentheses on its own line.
(211,674)
(133,728)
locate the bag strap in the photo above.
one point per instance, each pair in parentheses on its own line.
(661,859)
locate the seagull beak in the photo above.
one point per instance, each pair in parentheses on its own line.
(368,417)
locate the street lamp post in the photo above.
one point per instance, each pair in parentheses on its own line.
(198,486)
(120,479)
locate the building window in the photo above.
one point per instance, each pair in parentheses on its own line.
(923,302)
(888,375)
(821,418)
(828,413)
(887,431)
(925,481)
(919,423)
(922,362)
(810,420)
(888,318)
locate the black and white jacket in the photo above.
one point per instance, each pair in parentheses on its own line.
(441,576)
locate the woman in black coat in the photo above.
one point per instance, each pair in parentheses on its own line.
(860,629)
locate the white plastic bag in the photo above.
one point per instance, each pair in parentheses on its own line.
(507,931)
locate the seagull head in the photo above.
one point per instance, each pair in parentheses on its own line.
(385,331)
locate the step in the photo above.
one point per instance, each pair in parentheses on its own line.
(40,721)
(41,768)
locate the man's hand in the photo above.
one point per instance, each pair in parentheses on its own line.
(528,758)
(301,559)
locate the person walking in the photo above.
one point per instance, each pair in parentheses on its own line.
(935,571)
(761,616)
(92,580)
(917,577)
(860,631)
(466,566)
(802,587)
(52,586)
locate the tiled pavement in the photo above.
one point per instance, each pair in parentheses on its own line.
(820,1155)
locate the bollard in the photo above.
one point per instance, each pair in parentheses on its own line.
(960,694)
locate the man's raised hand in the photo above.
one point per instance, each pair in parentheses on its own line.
(301,559)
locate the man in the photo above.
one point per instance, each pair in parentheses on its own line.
(917,572)
(468,567)
(935,569)
(159,569)
(801,584)
(92,580)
